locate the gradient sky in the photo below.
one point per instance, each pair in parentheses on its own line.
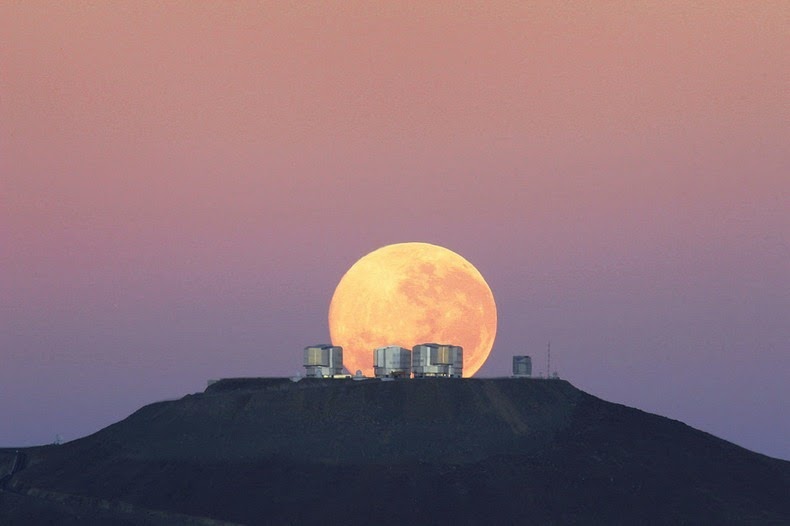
(183,185)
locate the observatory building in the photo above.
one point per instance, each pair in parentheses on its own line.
(392,362)
(323,361)
(433,359)
(522,366)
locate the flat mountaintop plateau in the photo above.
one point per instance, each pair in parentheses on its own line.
(434,451)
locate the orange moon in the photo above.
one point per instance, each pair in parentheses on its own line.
(412,293)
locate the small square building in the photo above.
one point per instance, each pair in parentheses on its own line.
(522,366)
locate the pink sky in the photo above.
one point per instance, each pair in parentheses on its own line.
(183,185)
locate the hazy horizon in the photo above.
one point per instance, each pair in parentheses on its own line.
(183,185)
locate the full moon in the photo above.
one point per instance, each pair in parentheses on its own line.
(412,293)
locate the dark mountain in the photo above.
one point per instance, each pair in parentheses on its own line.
(472,451)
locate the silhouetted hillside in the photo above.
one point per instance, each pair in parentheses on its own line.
(490,451)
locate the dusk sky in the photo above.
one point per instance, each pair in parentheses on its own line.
(183,185)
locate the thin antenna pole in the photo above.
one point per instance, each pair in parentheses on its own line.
(548,360)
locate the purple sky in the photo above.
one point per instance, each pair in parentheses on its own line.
(182,187)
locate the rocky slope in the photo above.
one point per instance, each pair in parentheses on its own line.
(485,451)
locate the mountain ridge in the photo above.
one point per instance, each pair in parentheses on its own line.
(259,451)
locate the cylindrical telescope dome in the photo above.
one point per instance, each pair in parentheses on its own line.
(392,361)
(323,360)
(433,359)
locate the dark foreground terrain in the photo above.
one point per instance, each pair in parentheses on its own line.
(488,451)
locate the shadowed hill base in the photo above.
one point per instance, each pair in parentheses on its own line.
(270,451)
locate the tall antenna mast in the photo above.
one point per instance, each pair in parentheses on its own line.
(548,360)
